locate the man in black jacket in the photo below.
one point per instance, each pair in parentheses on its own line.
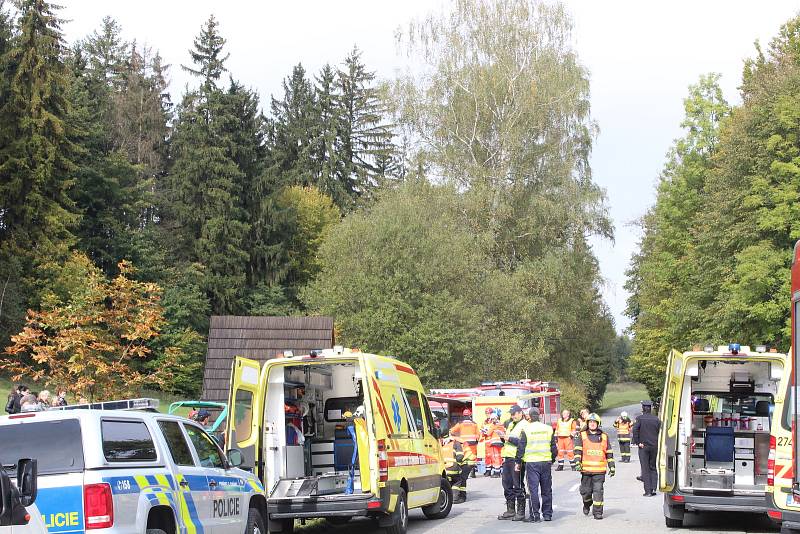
(13,404)
(645,436)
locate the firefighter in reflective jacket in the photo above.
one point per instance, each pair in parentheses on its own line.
(468,433)
(540,453)
(565,432)
(513,450)
(458,464)
(594,455)
(492,434)
(623,424)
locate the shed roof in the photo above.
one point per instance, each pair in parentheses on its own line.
(257,338)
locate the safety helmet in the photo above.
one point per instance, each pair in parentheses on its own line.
(467,412)
(624,414)
(594,417)
(489,411)
(202,414)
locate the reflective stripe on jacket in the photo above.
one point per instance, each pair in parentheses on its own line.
(565,428)
(514,430)
(539,445)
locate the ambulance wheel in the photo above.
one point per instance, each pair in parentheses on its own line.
(255,523)
(673,523)
(400,515)
(441,508)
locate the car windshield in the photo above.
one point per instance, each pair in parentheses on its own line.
(36,440)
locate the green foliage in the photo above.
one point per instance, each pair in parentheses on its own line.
(713,265)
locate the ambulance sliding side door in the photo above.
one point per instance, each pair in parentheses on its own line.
(669,414)
(245,411)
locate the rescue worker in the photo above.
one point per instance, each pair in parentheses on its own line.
(540,454)
(594,456)
(513,450)
(645,436)
(457,467)
(565,431)
(467,433)
(623,424)
(492,436)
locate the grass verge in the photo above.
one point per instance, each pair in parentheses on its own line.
(623,394)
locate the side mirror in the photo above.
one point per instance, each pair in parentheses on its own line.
(235,457)
(27,481)
(435,432)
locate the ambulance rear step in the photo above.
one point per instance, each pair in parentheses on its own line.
(326,484)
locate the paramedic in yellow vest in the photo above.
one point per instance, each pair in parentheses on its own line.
(457,467)
(594,456)
(513,450)
(565,432)
(540,453)
(623,424)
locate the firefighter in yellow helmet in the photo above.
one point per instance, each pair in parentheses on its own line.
(458,462)
(594,456)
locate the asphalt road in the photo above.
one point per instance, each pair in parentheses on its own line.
(626,509)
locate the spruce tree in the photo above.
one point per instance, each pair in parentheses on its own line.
(205,181)
(328,165)
(294,123)
(37,152)
(365,137)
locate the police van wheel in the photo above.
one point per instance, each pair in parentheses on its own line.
(441,508)
(255,523)
(400,515)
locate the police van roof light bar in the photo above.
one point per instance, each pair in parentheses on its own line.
(146,404)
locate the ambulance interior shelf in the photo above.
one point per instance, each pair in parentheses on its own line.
(315,450)
(730,422)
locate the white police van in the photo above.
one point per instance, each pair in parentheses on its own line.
(123,471)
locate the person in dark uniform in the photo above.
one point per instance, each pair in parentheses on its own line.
(645,436)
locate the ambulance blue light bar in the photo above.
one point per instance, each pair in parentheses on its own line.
(734,348)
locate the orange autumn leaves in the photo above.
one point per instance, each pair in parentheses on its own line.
(96,342)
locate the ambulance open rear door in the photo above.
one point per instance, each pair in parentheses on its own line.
(669,416)
(245,408)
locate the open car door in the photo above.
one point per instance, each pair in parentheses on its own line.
(669,416)
(245,409)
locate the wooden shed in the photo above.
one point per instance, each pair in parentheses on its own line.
(258,338)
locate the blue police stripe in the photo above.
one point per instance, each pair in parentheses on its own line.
(61,508)
(193,513)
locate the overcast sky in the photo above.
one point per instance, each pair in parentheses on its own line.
(642,56)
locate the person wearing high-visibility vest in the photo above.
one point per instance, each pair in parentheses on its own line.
(467,433)
(623,424)
(565,432)
(457,467)
(492,434)
(514,445)
(594,456)
(540,453)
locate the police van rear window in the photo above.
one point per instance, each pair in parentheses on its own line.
(56,445)
(127,441)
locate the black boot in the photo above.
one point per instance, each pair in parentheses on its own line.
(587,507)
(509,513)
(520,515)
(459,496)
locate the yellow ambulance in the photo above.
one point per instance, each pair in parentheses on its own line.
(716,415)
(337,434)
(782,506)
